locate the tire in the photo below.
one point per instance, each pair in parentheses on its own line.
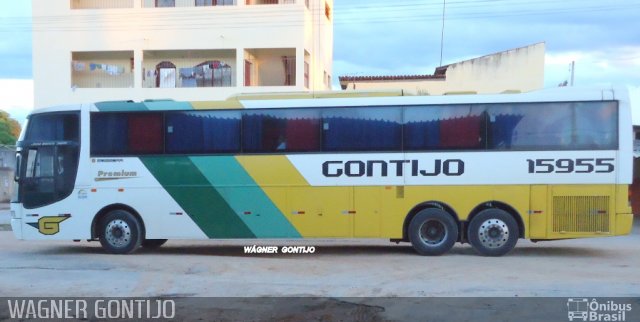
(433,232)
(120,232)
(493,232)
(153,243)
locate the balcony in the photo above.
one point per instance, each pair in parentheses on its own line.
(101,4)
(111,4)
(111,69)
(189,68)
(270,67)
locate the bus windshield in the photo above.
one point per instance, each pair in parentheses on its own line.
(48,158)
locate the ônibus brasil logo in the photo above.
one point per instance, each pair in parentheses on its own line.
(582,309)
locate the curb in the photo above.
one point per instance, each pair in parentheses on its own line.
(5,227)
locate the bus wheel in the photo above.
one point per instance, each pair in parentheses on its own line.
(493,232)
(153,243)
(120,232)
(432,232)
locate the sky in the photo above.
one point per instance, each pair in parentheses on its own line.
(403,37)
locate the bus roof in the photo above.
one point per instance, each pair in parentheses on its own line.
(345,98)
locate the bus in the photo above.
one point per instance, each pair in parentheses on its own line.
(429,170)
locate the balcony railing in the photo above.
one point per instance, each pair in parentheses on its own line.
(102,69)
(270,67)
(195,68)
(110,4)
(101,4)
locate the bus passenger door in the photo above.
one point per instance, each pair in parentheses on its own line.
(538,212)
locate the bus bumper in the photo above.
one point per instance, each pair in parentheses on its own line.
(16,221)
(624,223)
(16,227)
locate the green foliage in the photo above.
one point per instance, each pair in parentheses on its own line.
(9,129)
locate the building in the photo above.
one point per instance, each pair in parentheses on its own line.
(97,50)
(514,70)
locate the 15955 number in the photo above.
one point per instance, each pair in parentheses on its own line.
(571,165)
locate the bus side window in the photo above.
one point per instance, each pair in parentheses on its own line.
(362,129)
(279,131)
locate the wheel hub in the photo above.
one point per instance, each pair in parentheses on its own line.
(433,232)
(118,233)
(493,233)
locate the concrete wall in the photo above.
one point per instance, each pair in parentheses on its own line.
(7,168)
(60,31)
(520,69)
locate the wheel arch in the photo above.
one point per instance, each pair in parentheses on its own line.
(426,205)
(117,206)
(502,206)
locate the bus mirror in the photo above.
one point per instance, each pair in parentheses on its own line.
(16,176)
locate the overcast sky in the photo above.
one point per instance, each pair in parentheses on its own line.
(400,37)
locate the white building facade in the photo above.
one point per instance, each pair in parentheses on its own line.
(515,70)
(191,50)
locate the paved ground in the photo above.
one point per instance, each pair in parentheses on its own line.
(339,268)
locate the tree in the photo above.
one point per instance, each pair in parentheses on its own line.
(9,129)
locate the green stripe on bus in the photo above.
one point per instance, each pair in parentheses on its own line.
(167,105)
(193,192)
(248,200)
(120,106)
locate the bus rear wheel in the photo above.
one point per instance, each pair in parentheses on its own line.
(432,232)
(153,243)
(120,232)
(493,232)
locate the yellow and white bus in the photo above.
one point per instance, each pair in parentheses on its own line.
(432,171)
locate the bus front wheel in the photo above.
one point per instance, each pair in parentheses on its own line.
(432,231)
(493,232)
(120,232)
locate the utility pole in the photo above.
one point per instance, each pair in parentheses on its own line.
(573,66)
(444,5)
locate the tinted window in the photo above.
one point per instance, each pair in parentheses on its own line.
(362,129)
(53,127)
(126,133)
(555,126)
(203,132)
(292,130)
(444,127)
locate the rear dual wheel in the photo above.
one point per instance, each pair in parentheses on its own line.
(432,232)
(493,232)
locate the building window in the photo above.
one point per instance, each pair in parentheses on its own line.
(289,70)
(306,74)
(165,3)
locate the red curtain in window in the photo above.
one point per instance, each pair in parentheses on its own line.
(303,135)
(145,133)
(461,132)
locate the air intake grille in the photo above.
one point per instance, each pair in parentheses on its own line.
(581,214)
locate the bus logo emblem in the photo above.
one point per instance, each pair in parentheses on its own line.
(578,309)
(49,225)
